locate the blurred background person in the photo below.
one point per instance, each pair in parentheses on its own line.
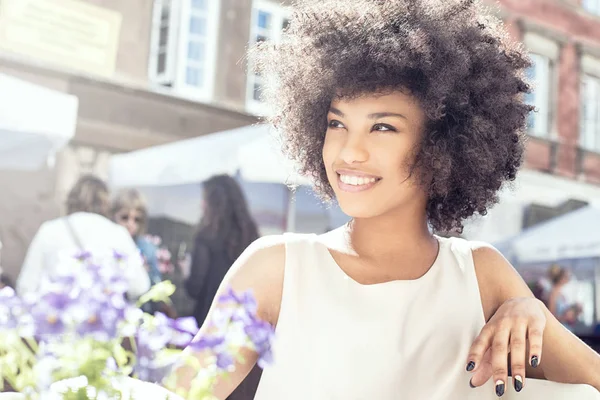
(225,230)
(129,210)
(86,226)
(566,312)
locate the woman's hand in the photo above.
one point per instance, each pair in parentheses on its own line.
(517,328)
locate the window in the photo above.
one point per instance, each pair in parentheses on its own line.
(184,39)
(539,76)
(590,113)
(592,6)
(269,19)
(162,42)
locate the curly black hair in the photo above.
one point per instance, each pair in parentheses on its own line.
(452,56)
(226,216)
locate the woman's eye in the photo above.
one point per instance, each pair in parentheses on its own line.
(335,124)
(384,128)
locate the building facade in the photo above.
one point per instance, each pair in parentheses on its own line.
(148,72)
(562,162)
(136,87)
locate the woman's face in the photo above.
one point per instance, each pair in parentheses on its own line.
(370,144)
(130,219)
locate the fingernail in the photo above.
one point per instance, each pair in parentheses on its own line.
(499,388)
(535,361)
(471,384)
(470,366)
(518,383)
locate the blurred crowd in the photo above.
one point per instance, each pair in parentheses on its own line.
(98,219)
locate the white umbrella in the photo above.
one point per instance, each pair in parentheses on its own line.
(35,122)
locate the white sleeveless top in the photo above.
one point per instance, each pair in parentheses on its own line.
(337,339)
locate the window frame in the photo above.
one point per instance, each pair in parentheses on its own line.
(179,39)
(542,90)
(167,76)
(589,135)
(279,13)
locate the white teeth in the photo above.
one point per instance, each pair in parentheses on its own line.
(356,180)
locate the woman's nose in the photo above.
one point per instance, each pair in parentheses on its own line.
(354,149)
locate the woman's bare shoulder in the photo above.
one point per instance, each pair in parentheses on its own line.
(498,279)
(260,269)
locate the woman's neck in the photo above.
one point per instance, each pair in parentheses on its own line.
(391,234)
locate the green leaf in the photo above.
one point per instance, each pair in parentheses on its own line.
(161,292)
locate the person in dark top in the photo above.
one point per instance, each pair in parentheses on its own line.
(225,230)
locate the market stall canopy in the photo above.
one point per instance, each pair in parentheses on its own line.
(570,236)
(35,122)
(250,151)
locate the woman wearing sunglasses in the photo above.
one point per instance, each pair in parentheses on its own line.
(129,210)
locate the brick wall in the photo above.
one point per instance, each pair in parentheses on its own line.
(576,32)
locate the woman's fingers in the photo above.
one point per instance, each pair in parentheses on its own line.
(479,347)
(484,370)
(500,356)
(518,354)
(535,334)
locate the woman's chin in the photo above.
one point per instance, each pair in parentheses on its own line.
(358,210)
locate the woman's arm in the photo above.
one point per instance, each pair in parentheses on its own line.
(260,269)
(564,358)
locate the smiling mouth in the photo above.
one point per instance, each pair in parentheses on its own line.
(354,183)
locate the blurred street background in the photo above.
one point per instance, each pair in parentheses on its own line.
(154,95)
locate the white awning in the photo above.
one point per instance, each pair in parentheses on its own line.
(571,236)
(249,151)
(35,122)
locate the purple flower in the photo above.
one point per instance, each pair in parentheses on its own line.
(224,360)
(245,299)
(101,320)
(118,256)
(216,345)
(11,309)
(261,334)
(185,325)
(150,340)
(207,343)
(235,323)
(83,255)
(49,313)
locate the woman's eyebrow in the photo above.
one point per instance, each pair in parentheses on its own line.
(385,114)
(337,112)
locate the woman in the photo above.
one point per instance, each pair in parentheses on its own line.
(411,114)
(226,229)
(86,226)
(129,210)
(565,312)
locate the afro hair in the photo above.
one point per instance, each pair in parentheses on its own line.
(453,56)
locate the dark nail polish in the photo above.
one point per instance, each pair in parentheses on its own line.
(534,361)
(518,383)
(471,384)
(499,388)
(470,366)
